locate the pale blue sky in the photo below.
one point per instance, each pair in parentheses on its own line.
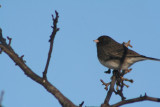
(74,68)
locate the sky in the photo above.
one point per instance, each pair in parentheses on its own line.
(74,68)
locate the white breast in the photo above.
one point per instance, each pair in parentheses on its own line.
(110,64)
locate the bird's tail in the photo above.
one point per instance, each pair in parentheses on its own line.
(150,58)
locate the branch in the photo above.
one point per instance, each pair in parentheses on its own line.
(64,101)
(138,99)
(111,90)
(127,44)
(55,30)
(1,98)
(106,84)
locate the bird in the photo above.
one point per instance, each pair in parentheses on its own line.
(114,55)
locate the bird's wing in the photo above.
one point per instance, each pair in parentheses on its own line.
(114,52)
(119,51)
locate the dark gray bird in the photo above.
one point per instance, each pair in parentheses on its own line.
(115,55)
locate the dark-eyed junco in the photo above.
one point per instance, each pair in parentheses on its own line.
(115,55)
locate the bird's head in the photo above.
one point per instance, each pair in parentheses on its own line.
(103,40)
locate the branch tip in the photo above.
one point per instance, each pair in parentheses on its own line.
(10,39)
(52,17)
(1,98)
(127,44)
(80,105)
(145,94)
(56,12)
(22,56)
(105,84)
(126,85)
(51,40)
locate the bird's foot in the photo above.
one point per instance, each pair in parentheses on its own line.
(108,72)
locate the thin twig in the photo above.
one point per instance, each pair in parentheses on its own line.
(106,84)
(2,40)
(127,44)
(51,40)
(10,39)
(80,105)
(1,98)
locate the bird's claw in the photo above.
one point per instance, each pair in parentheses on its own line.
(108,72)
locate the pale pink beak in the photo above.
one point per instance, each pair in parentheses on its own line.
(96,41)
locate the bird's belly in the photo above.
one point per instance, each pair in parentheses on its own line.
(110,64)
(115,64)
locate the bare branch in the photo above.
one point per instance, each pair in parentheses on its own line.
(106,84)
(120,93)
(55,30)
(138,99)
(111,90)
(1,98)
(64,101)
(127,44)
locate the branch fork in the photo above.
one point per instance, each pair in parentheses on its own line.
(64,101)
